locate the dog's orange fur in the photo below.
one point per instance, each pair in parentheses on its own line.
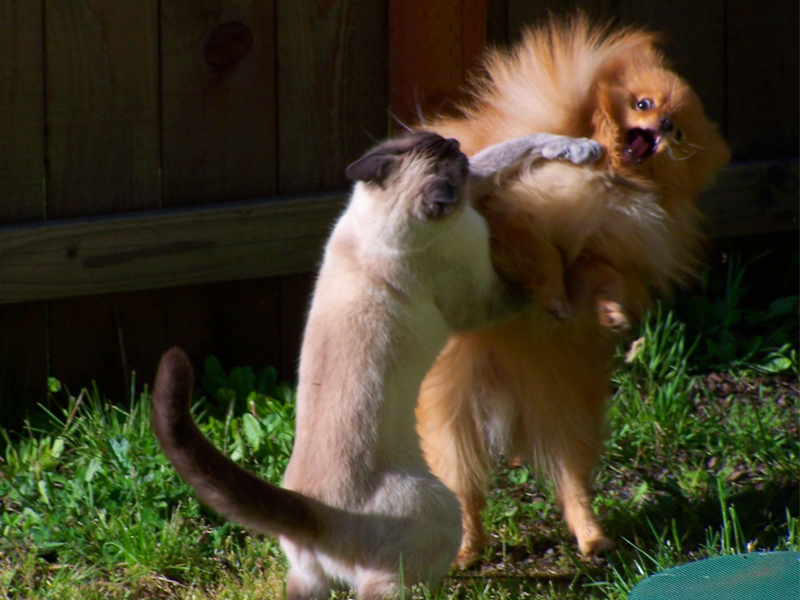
(609,234)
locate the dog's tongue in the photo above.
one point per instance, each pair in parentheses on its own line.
(638,144)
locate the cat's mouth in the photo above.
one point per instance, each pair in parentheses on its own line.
(640,144)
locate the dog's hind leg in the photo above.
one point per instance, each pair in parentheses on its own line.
(573,443)
(574,493)
(452,441)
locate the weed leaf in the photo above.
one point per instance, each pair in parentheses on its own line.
(252,431)
(214,377)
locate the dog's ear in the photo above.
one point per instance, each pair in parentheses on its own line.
(374,166)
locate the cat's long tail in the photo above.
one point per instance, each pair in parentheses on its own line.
(221,484)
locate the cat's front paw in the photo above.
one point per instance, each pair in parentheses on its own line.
(579,151)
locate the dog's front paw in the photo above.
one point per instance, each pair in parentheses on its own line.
(579,151)
(612,316)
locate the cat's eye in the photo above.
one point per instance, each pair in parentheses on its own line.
(645,104)
(449,192)
(440,201)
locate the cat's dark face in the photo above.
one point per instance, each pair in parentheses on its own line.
(419,159)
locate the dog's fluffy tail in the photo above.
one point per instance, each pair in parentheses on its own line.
(221,484)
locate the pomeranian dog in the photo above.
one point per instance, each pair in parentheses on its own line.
(599,242)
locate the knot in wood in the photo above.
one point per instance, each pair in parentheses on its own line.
(228,44)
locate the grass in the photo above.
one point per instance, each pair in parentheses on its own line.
(702,460)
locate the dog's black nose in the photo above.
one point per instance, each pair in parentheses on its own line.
(667,125)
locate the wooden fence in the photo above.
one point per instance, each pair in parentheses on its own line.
(170,168)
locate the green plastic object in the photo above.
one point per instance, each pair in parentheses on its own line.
(753,576)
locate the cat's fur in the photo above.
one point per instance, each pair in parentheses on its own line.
(407,264)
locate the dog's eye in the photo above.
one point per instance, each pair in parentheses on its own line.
(645,104)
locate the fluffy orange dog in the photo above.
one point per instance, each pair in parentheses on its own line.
(597,242)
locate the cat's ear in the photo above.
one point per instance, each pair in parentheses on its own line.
(378,162)
(374,166)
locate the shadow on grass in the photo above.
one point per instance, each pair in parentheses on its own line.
(548,558)
(761,513)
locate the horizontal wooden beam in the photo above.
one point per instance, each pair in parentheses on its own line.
(279,236)
(165,248)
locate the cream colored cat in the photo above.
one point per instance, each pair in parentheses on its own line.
(407,265)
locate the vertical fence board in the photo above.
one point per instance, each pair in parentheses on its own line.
(524,12)
(295,300)
(249,324)
(103,146)
(102,107)
(23,361)
(23,346)
(474,30)
(22,117)
(332,103)
(333,92)
(189,321)
(238,322)
(219,143)
(104,339)
(83,339)
(762,78)
(218,94)
(497,22)
(694,39)
(426,56)
(139,322)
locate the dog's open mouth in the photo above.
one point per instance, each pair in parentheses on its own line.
(640,144)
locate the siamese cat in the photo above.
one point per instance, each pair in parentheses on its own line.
(406,265)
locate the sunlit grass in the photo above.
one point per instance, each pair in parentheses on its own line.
(699,463)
